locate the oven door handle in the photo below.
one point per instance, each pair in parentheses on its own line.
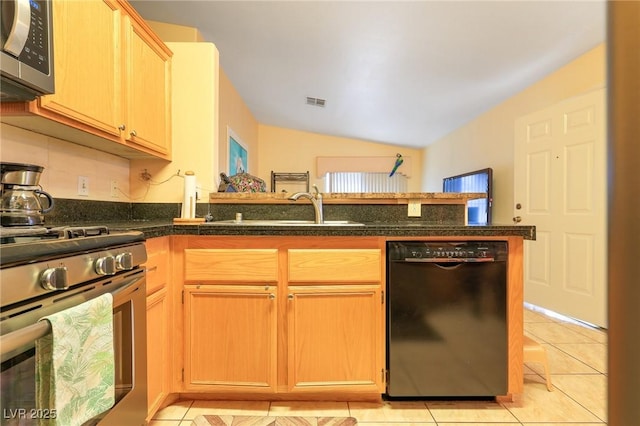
(27,335)
(16,339)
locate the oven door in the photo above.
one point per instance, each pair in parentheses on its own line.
(20,330)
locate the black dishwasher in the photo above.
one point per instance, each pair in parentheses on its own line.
(446,318)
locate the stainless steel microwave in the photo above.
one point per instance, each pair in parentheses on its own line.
(26,61)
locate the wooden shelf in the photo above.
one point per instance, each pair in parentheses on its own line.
(347,198)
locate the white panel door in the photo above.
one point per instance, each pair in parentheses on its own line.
(560,187)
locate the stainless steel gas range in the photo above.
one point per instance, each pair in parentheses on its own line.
(48,270)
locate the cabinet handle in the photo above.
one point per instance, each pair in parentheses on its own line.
(122,127)
(272,296)
(133,133)
(290,297)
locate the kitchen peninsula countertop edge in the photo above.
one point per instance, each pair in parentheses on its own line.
(153,229)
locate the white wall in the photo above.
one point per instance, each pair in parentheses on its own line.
(488,140)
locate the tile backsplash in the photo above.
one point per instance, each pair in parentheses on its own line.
(64,162)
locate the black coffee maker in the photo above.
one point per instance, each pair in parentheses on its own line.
(21,195)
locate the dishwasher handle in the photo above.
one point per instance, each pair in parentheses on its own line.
(458,260)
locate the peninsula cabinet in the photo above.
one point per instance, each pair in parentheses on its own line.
(282,315)
(230,337)
(230,299)
(334,317)
(112,82)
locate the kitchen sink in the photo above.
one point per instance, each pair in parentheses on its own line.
(283,222)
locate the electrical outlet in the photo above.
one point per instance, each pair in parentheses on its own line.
(83,186)
(114,189)
(414,208)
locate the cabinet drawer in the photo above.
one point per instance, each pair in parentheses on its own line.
(157,268)
(240,265)
(335,265)
(157,263)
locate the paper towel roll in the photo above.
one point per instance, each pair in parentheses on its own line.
(189,202)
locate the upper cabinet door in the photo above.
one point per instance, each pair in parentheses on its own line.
(113,82)
(148,90)
(88,64)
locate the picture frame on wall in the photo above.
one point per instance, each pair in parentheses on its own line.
(238,154)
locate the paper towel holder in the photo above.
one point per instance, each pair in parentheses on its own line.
(189,202)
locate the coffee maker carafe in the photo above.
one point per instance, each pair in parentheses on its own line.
(21,195)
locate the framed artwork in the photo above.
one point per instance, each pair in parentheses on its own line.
(238,155)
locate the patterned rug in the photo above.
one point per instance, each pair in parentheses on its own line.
(214,420)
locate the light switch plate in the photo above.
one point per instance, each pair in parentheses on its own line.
(414,208)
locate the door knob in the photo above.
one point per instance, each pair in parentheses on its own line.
(517,219)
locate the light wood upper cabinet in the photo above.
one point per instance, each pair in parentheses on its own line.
(148,90)
(112,82)
(88,64)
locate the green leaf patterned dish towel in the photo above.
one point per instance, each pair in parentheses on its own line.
(75,368)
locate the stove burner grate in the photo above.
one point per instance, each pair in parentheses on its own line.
(23,234)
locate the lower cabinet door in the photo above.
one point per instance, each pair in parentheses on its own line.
(157,349)
(335,338)
(230,338)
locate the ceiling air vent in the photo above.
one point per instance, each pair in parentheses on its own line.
(316,101)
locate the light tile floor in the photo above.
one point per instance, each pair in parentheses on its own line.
(578,362)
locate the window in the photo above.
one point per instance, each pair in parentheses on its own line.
(479,210)
(364,182)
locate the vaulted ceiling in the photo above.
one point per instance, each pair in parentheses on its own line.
(396,72)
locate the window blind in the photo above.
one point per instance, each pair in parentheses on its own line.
(364,182)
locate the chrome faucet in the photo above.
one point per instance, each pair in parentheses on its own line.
(316,200)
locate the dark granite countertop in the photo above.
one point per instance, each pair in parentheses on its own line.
(391,229)
(156,220)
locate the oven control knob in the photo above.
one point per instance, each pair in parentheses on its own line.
(105,265)
(55,278)
(124,261)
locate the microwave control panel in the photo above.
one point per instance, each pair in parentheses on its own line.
(28,29)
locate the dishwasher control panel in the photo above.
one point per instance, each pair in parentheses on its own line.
(447,250)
